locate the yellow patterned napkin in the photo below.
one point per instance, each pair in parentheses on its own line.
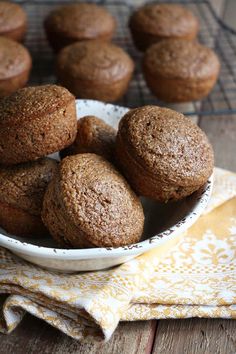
(196,277)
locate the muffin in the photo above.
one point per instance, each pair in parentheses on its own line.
(89,204)
(36,121)
(93,135)
(162,153)
(94,69)
(15,65)
(154,22)
(180,71)
(22,188)
(77,22)
(13,21)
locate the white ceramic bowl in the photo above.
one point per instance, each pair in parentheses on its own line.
(163,222)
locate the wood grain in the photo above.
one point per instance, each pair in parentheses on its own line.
(196,336)
(34,336)
(222,133)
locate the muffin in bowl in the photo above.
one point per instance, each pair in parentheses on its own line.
(77,22)
(13,21)
(162,153)
(15,66)
(90,204)
(180,71)
(36,121)
(22,189)
(93,135)
(95,70)
(154,22)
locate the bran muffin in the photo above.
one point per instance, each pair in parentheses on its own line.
(94,69)
(180,71)
(154,22)
(93,135)
(22,188)
(13,21)
(15,66)
(77,22)
(36,121)
(89,204)
(162,153)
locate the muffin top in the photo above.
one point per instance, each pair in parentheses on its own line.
(164,20)
(81,21)
(93,135)
(14,58)
(33,102)
(95,60)
(12,16)
(99,200)
(23,186)
(178,58)
(167,144)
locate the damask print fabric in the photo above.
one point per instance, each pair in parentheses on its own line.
(196,277)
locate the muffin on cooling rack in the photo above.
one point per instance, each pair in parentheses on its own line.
(13,20)
(162,153)
(154,22)
(15,66)
(93,135)
(94,69)
(180,71)
(22,188)
(77,22)
(36,121)
(90,204)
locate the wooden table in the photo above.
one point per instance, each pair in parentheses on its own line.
(190,336)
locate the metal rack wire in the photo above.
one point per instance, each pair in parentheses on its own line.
(213,33)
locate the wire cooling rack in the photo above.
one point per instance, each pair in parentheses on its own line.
(213,33)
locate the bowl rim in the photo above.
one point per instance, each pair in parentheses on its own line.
(90,253)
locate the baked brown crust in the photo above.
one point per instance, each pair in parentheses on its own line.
(36,121)
(22,188)
(163,154)
(15,66)
(94,136)
(90,204)
(93,69)
(77,22)
(154,22)
(13,21)
(179,70)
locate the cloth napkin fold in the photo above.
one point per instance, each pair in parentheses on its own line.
(196,277)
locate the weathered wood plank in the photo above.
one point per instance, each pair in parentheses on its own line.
(34,336)
(222,134)
(196,336)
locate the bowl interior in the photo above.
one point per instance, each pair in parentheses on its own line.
(159,218)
